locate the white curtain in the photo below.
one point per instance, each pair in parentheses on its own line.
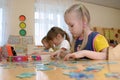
(3,22)
(49,13)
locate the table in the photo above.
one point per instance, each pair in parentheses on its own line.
(13,69)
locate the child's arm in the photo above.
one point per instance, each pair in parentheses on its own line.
(63,50)
(59,53)
(41,53)
(56,53)
(88,54)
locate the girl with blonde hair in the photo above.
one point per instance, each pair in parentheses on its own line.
(88,44)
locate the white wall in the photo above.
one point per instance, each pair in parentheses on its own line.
(100,16)
(22,7)
(103,16)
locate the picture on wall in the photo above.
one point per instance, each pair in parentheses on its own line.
(27,40)
(13,39)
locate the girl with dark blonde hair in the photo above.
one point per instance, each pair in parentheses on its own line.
(61,41)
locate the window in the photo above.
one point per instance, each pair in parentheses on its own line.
(47,15)
(1,25)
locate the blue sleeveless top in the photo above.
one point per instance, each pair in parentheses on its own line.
(89,45)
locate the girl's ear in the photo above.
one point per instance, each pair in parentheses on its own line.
(84,21)
(58,36)
(84,24)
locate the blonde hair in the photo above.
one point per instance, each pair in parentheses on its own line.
(83,14)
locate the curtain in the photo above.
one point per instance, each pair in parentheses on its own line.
(49,13)
(3,22)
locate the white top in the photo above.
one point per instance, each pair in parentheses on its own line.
(64,44)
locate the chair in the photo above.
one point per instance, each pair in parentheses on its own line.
(114,53)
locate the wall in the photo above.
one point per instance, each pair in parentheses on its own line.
(103,16)
(100,16)
(17,8)
(21,7)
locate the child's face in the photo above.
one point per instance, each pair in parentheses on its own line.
(74,23)
(46,45)
(57,40)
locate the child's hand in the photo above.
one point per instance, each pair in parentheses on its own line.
(53,55)
(56,54)
(34,53)
(68,56)
(76,55)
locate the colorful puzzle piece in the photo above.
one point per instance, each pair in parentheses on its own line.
(91,68)
(78,75)
(43,67)
(25,75)
(108,62)
(113,74)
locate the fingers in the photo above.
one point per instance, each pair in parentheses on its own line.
(53,55)
(67,57)
(70,56)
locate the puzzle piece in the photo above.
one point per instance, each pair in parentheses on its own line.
(107,63)
(69,67)
(91,68)
(25,75)
(114,75)
(72,61)
(78,75)
(43,67)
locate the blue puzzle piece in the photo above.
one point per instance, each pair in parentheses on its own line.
(43,67)
(114,75)
(90,68)
(79,75)
(25,75)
